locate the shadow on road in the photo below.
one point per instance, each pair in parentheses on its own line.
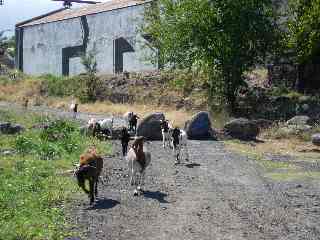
(156,195)
(104,204)
(192,165)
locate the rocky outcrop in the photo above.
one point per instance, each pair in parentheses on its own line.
(199,127)
(263,123)
(149,127)
(242,128)
(9,128)
(300,120)
(315,138)
(297,125)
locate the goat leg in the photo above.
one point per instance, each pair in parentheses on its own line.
(96,187)
(91,183)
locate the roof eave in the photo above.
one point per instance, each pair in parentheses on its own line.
(39,17)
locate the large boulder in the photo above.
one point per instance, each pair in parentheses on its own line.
(199,127)
(263,123)
(149,127)
(9,128)
(242,128)
(300,120)
(297,125)
(315,138)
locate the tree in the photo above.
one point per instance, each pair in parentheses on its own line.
(91,81)
(7,44)
(224,38)
(304,29)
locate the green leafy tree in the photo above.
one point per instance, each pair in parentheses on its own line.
(304,29)
(224,38)
(91,80)
(7,43)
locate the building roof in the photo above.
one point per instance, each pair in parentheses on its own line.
(66,13)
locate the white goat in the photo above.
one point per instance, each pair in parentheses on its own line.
(104,126)
(74,108)
(138,160)
(166,130)
(179,141)
(127,116)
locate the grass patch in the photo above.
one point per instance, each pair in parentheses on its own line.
(255,153)
(34,196)
(277,170)
(293,175)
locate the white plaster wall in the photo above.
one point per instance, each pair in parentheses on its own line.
(43,43)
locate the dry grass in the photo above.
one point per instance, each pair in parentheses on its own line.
(280,170)
(17,91)
(178,117)
(291,147)
(30,88)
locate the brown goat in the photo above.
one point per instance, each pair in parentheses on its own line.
(91,165)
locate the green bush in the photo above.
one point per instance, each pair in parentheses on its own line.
(33,193)
(59,86)
(24,145)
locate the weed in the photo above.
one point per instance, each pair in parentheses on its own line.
(33,197)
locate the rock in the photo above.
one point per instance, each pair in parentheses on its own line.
(287,131)
(242,128)
(8,128)
(295,129)
(300,120)
(315,138)
(262,123)
(4,127)
(40,126)
(199,127)
(7,152)
(149,127)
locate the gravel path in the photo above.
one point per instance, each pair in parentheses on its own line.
(217,195)
(81,116)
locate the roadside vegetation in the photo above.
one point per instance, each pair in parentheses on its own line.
(36,188)
(285,156)
(179,94)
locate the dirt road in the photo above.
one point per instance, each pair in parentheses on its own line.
(217,195)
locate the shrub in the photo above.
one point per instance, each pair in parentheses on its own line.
(60,86)
(24,145)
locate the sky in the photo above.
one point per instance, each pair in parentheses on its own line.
(14,11)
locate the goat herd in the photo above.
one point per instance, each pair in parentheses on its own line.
(138,157)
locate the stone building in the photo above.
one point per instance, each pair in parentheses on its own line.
(54,42)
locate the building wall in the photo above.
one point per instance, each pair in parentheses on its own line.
(43,44)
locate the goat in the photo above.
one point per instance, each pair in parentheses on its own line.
(165,130)
(127,116)
(125,138)
(25,102)
(91,165)
(133,121)
(179,140)
(138,159)
(74,109)
(101,127)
